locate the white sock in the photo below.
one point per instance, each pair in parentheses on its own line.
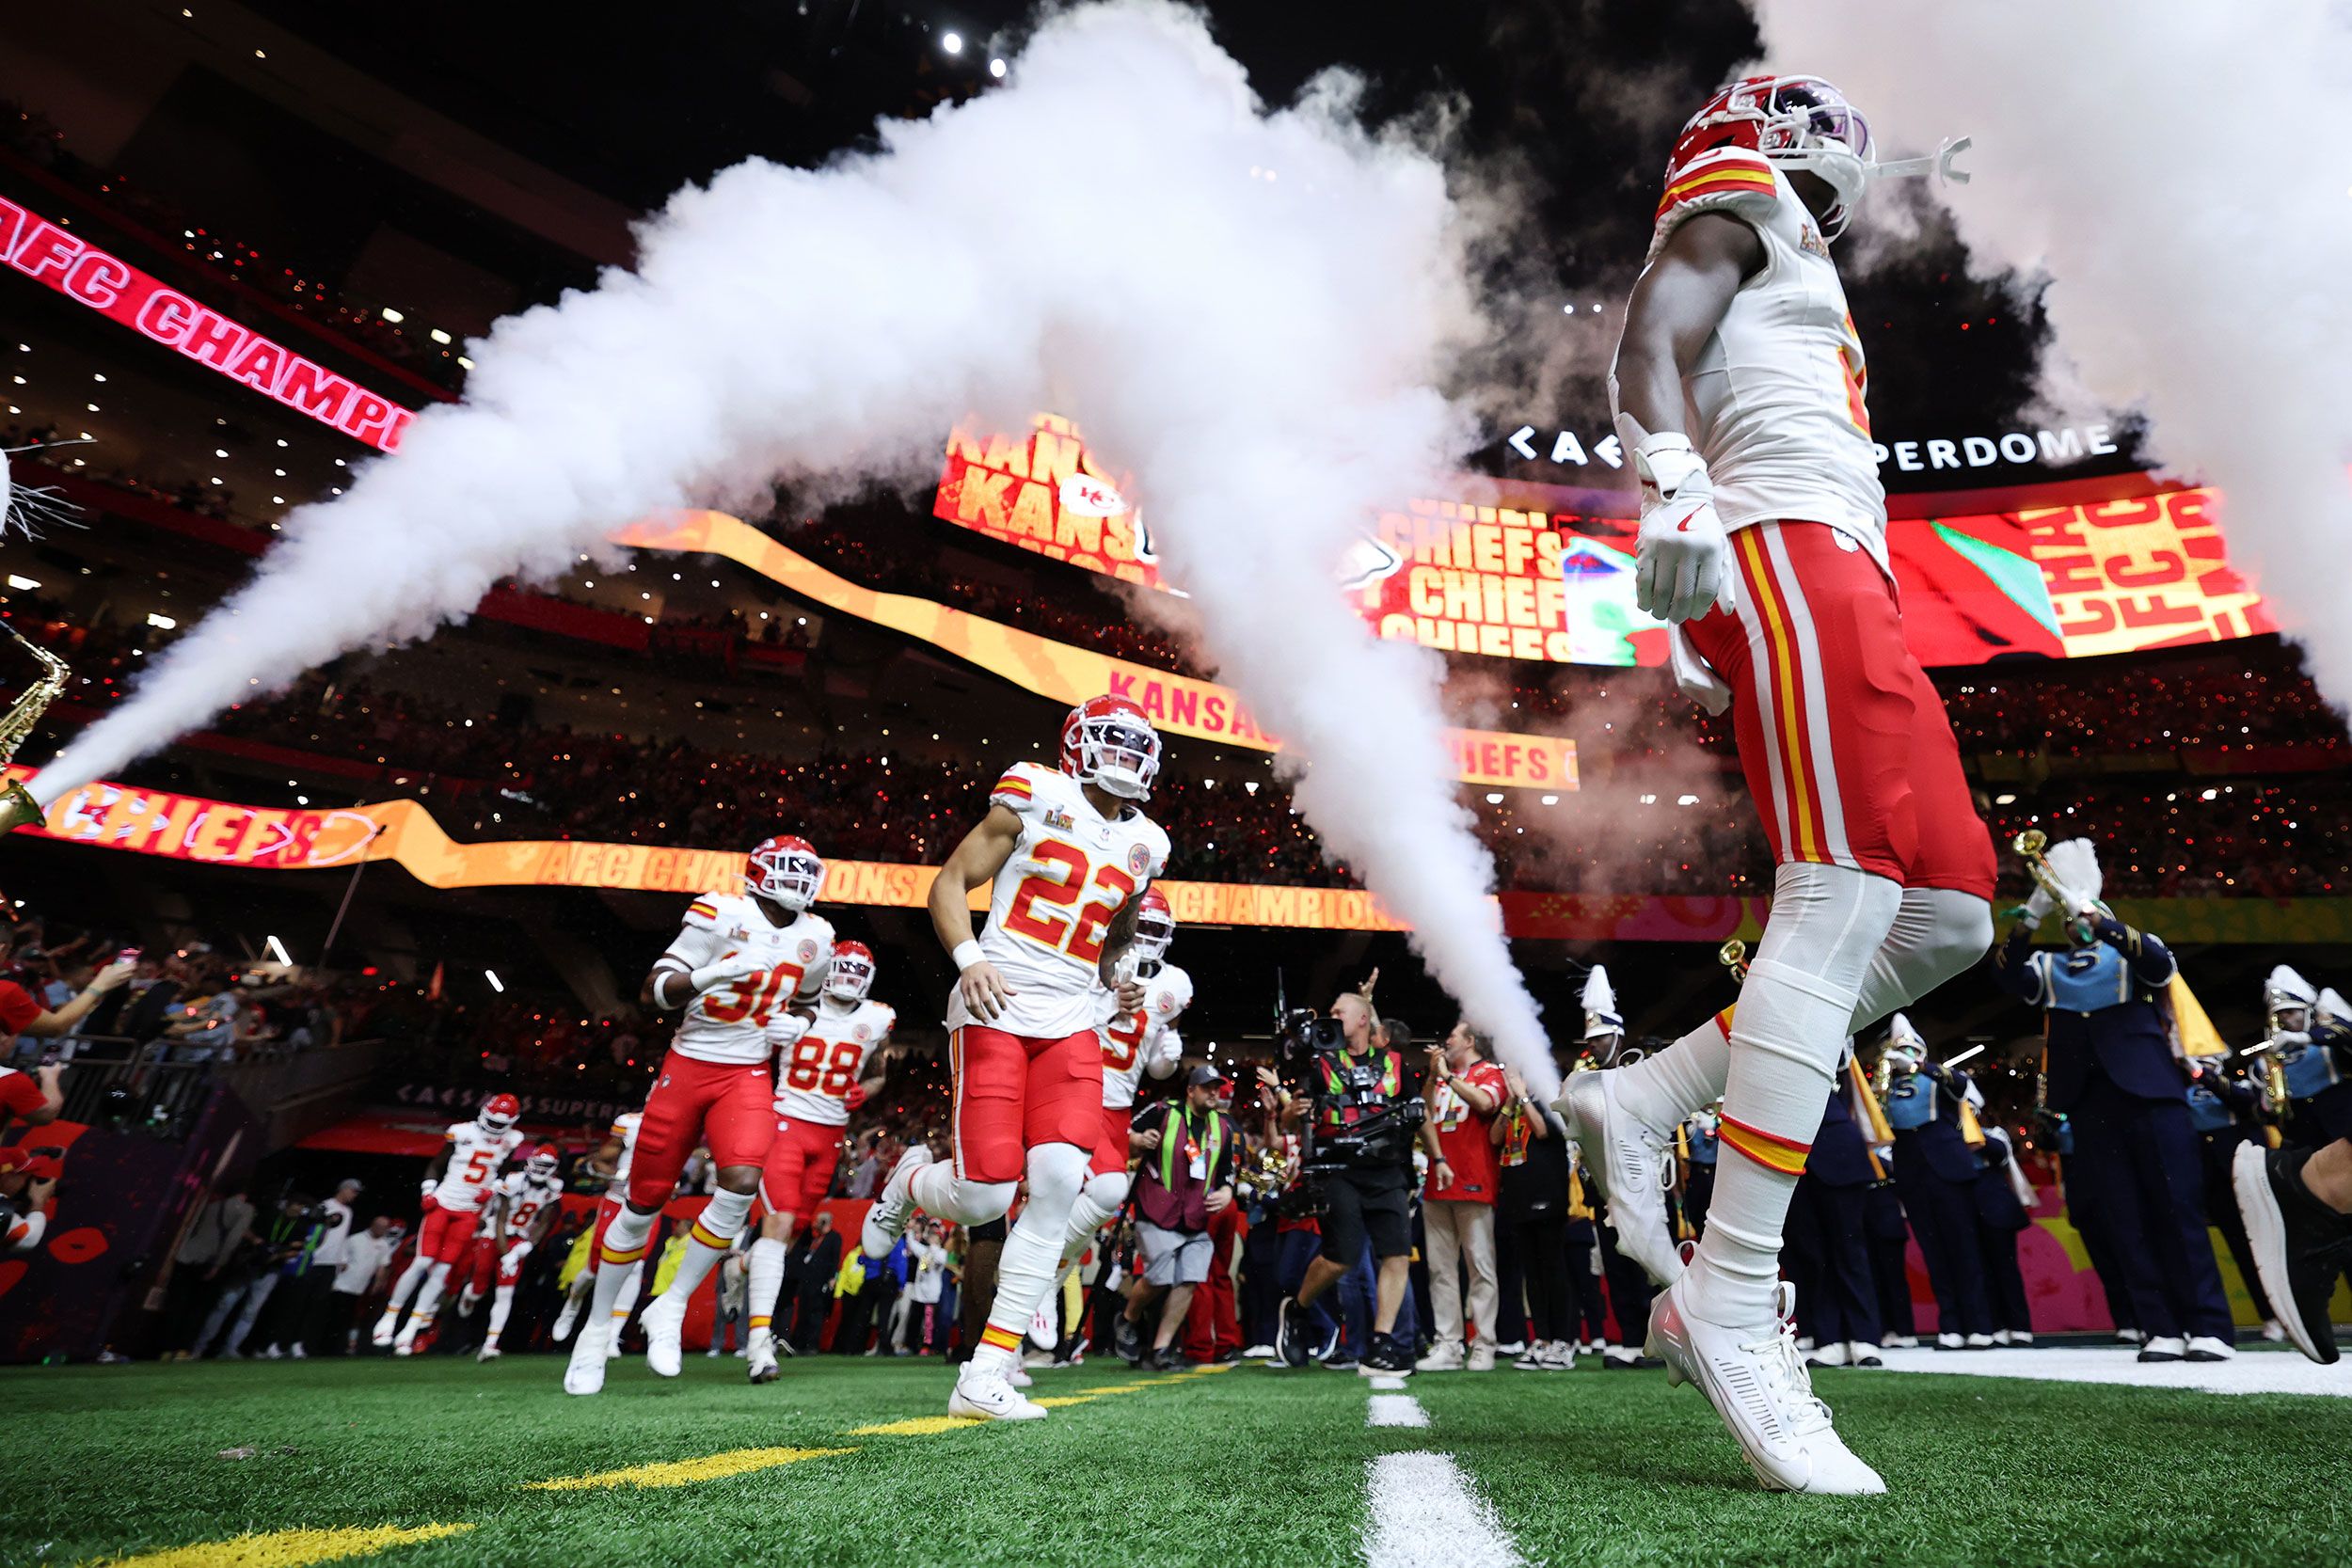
(428,1303)
(633,1281)
(1031,1261)
(1785,1039)
(405,1286)
(710,1238)
(622,1250)
(501,1303)
(765,1282)
(1098,1200)
(1937,933)
(942,1194)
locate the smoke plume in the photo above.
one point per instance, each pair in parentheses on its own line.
(1249,312)
(2170,172)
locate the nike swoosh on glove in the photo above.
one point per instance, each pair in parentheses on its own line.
(1682,564)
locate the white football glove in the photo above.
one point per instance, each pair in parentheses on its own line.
(785,1029)
(519,1251)
(2038,905)
(723,972)
(1682,564)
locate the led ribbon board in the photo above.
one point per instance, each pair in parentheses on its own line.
(1542,579)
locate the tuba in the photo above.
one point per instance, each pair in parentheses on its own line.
(17,808)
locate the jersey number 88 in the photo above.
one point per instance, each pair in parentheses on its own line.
(827,1067)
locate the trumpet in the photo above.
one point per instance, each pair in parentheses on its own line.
(1732,956)
(17,808)
(2030,845)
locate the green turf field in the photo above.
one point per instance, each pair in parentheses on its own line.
(1236,1468)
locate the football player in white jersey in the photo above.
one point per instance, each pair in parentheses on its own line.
(457,1186)
(1135,1040)
(1067,856)
(1739,387)
(820,1078)
(528,1201)
(742,961)
(612,1157)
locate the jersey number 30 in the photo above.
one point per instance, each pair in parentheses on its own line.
(1036,904)
(753,996)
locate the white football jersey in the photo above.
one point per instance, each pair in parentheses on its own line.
(474,1159)
(624,1128)
(729,1022)
(526,1200)
(815,1070)
(1144,1039)
(1072,870)
(1776,397)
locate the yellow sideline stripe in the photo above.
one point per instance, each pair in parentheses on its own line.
(287,1549)
(685,1472)
(916,1426)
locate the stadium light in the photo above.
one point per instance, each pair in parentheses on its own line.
(1494,798)
(496,984)
(996,68)
(393,316)
(1972,1052)
(23,584)
(277,950)
(951,42)
(162,623)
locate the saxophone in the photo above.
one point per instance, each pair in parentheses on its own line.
(17,808)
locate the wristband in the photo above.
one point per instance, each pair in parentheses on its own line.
(966,954)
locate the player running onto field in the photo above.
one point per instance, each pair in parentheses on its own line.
(1135,1040)
(528,1201)
(820,1078)
(456,1187)
(1067,856)
(1763,541)
(741,960)
(613,1158)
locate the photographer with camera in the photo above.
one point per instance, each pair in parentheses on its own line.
(1357,1115)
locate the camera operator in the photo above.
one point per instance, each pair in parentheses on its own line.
(1360,1115)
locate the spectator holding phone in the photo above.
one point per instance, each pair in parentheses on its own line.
(22,1013)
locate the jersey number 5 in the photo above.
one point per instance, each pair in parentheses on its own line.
(1080,934)
(753,996)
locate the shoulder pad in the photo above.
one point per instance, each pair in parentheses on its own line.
(1019,787)
(1171,991)
(1728,180)
(706,912)
(456,1131)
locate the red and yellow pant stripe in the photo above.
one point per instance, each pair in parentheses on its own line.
(1768,1150)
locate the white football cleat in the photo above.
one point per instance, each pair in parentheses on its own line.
(404,1345)
(584,1373)
(1632,1168)
(761,1363)
(467,1301)
(1756,1380)
(384,1326)
(886,1217)
(487,1352)
(1044,1329)
(663,1325)
(991,1398)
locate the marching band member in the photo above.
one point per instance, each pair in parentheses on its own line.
(2112,1074)
(1929,1106)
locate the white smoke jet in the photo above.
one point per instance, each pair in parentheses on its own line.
(2173,168)
(1246,310)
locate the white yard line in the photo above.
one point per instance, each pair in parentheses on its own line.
(1387,1384)
(2252,1372)
(1426,1515)
(1397,1410)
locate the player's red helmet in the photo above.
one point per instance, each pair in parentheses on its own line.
(1106,741)
(497,1113)
(853,973)
(1155,927)
(1799,122)
(543,1161)
(786,869)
